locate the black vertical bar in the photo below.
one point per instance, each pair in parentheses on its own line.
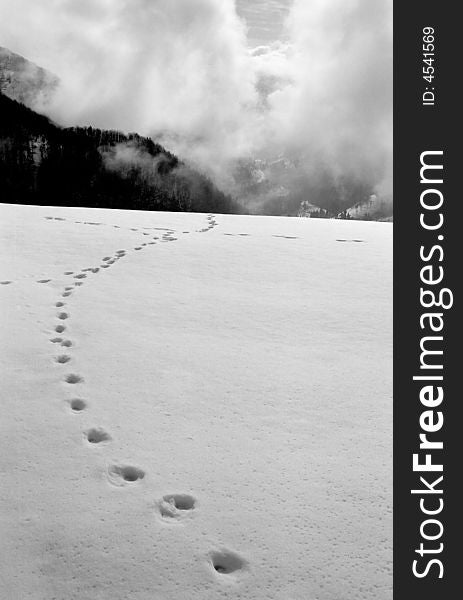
(420,127)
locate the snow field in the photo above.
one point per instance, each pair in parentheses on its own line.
(196,406)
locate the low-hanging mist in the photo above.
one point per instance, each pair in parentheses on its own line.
(304,119)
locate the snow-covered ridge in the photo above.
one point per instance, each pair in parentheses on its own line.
(24,81)
(195,406)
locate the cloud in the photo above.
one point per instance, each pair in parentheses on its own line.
(181,71)
(338,108)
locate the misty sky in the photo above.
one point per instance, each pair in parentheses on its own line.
(264,19)
(217,81)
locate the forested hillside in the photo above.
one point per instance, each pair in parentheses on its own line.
(42,163)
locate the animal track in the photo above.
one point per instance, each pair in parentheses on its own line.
(62,359)
(68,288)
(66,294)
(66,343)
(73,378)
(80,276)
(120,475)
(227,562)
(176,506)
(63,316)
(60,328)
(97,435)
(69,272)
(59,304)
(43,280)
(78,405)
(5,282)
(79,283)
(56,340)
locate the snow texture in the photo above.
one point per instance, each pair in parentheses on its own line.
(195,407)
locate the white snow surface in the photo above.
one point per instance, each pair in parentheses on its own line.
(234,439)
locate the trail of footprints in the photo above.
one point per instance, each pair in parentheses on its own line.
(174,508)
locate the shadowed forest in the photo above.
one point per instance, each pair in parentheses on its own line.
(44,164)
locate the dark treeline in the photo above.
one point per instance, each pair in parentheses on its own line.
(42,163)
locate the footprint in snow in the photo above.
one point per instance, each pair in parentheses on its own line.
(174,507)
(72,378)
(60,328)
(80,276)
(62,359)
(121,475)
(227,562)
(6,282)
(97,435)
(43,280)
(77,405)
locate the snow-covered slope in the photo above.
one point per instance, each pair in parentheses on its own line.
(194,407)
(24,81)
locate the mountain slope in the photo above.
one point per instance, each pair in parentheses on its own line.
(42,163)
(23,80)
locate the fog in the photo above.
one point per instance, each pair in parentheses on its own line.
(184,73)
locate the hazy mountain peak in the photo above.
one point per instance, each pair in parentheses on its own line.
(24,81)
